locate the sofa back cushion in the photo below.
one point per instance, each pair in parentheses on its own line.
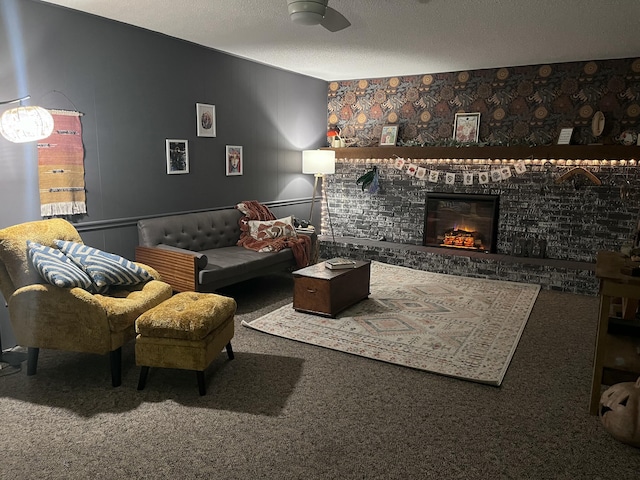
(192,231)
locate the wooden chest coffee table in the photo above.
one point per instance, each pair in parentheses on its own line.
(322,291)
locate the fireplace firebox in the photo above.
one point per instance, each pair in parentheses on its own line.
(462,221)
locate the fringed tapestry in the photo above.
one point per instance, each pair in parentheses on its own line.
(61,167)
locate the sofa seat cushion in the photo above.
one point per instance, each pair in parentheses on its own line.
(230,262)
(124,305)
(186,316)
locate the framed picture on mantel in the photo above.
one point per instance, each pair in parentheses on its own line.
(389,135)
(565,136)
(466,127)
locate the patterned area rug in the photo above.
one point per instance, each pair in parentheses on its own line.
(461,327)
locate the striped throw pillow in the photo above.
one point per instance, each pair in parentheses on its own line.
(104,268)
(57,269)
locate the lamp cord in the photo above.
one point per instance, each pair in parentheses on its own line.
(333,237)
(313,199)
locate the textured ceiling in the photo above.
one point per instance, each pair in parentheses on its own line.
(393,37)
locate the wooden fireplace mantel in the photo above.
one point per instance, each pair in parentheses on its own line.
(557,152)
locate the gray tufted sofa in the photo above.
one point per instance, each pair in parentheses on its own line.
(198,251)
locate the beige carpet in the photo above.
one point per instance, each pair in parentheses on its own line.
(461,327)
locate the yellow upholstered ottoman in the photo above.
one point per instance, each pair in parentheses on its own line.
(186,331)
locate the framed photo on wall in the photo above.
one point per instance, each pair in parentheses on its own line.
(234,162)
(389,135)
(177,156)
(206,120)
(466,127)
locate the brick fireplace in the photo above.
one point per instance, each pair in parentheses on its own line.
(576,219)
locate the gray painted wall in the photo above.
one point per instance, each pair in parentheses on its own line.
(137,88)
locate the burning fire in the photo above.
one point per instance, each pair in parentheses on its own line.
(462,236)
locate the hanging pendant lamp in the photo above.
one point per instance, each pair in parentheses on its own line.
(25,123)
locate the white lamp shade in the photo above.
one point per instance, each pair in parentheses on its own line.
(26,124)
(318,161)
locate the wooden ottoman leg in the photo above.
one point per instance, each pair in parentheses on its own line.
(201,386)
(144,371)
(229,351)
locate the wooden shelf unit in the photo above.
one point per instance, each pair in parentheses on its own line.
(616,356)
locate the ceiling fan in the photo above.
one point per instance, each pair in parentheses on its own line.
(316,12)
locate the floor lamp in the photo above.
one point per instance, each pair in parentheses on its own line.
(319,163)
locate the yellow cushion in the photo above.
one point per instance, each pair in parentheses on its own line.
(123,305)
(186,315)
(13,246)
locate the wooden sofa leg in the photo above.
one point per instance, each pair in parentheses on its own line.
(229,351)
(115,358)
(32,360)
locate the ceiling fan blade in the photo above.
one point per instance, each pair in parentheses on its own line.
(334,21)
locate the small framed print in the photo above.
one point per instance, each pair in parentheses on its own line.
(565,136)
(421,173)
(234,162)
(206,120)
(177,156)
(412,169)
(389,135)
(466,127)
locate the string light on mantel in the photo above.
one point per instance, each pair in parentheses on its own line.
(500,169)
